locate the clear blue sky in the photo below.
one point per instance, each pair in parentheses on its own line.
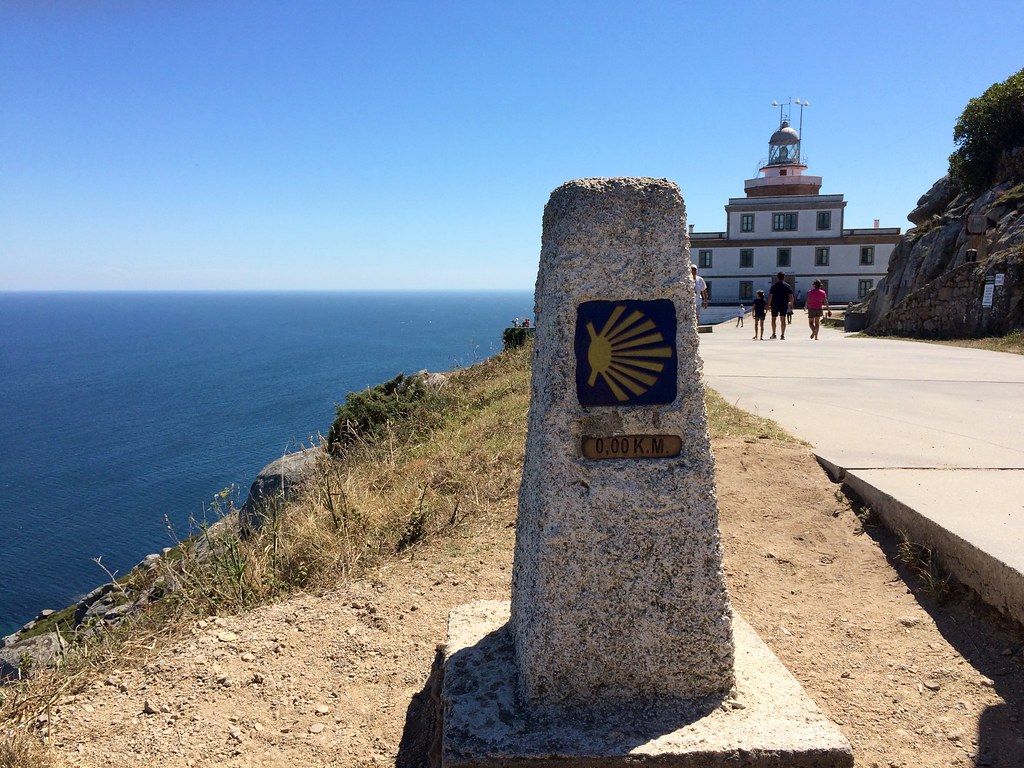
(294,145)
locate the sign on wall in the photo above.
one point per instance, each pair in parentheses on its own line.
(990,286)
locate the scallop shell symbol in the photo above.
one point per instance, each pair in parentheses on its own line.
(626,353)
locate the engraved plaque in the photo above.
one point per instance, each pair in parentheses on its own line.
(632,446)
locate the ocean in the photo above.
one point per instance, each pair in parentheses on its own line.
(122,414)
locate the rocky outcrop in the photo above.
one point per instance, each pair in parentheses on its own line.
(934,201)
(433,380)
(929,258)
(20,658)
(41,641)
(277,482)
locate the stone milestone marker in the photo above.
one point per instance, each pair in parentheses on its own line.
(620,646)
(618,592)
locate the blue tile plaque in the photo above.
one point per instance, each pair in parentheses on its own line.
(626,352)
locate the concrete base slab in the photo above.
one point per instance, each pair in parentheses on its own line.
(767,720)
(973,519)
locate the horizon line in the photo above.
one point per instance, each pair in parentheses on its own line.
(12,291)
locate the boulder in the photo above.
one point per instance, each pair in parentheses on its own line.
(433,380)
(100,595)
(18,660)
(933,201)
(279,480)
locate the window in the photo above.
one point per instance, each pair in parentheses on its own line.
(784,222)
(746,222)
(746,257)
(747,289)
(864,288)
(784,257)
(867,256)
(821,257)
(824,219)
(704,260)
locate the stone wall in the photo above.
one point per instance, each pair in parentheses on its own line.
(951,305)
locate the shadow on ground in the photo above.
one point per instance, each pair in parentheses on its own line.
(420,746)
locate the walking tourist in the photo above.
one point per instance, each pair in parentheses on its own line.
(700,291)
(760,309)
(817,302)
(781,303)
(739,316)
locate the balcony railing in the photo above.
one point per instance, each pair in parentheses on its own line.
(801,160)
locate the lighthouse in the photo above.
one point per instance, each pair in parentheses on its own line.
(784,173)
(784,224)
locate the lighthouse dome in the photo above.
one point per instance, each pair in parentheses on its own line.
(785,136)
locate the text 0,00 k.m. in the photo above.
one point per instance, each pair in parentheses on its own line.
(632,447)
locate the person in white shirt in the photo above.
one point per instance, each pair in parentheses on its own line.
(739,316)
(700,291)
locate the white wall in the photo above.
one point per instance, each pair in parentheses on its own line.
(843,272)
(807,223)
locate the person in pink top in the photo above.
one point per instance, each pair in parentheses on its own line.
(817,303)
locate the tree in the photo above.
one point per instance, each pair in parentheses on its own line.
(989,125)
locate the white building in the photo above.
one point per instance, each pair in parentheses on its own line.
(784,225)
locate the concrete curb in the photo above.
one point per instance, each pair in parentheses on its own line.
(996,582)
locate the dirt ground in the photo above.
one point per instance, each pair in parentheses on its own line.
(337,680)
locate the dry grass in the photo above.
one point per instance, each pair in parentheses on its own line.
(725,420)
(1012,343)
(21,750)
(924,566)
(381,498)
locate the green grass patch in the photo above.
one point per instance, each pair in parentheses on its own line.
(62,621)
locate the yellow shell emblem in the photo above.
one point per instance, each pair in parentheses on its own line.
(628,353)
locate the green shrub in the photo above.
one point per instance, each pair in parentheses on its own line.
(364,414)
(513,338)
(989,125)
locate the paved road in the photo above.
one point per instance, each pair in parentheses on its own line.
(933,434)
